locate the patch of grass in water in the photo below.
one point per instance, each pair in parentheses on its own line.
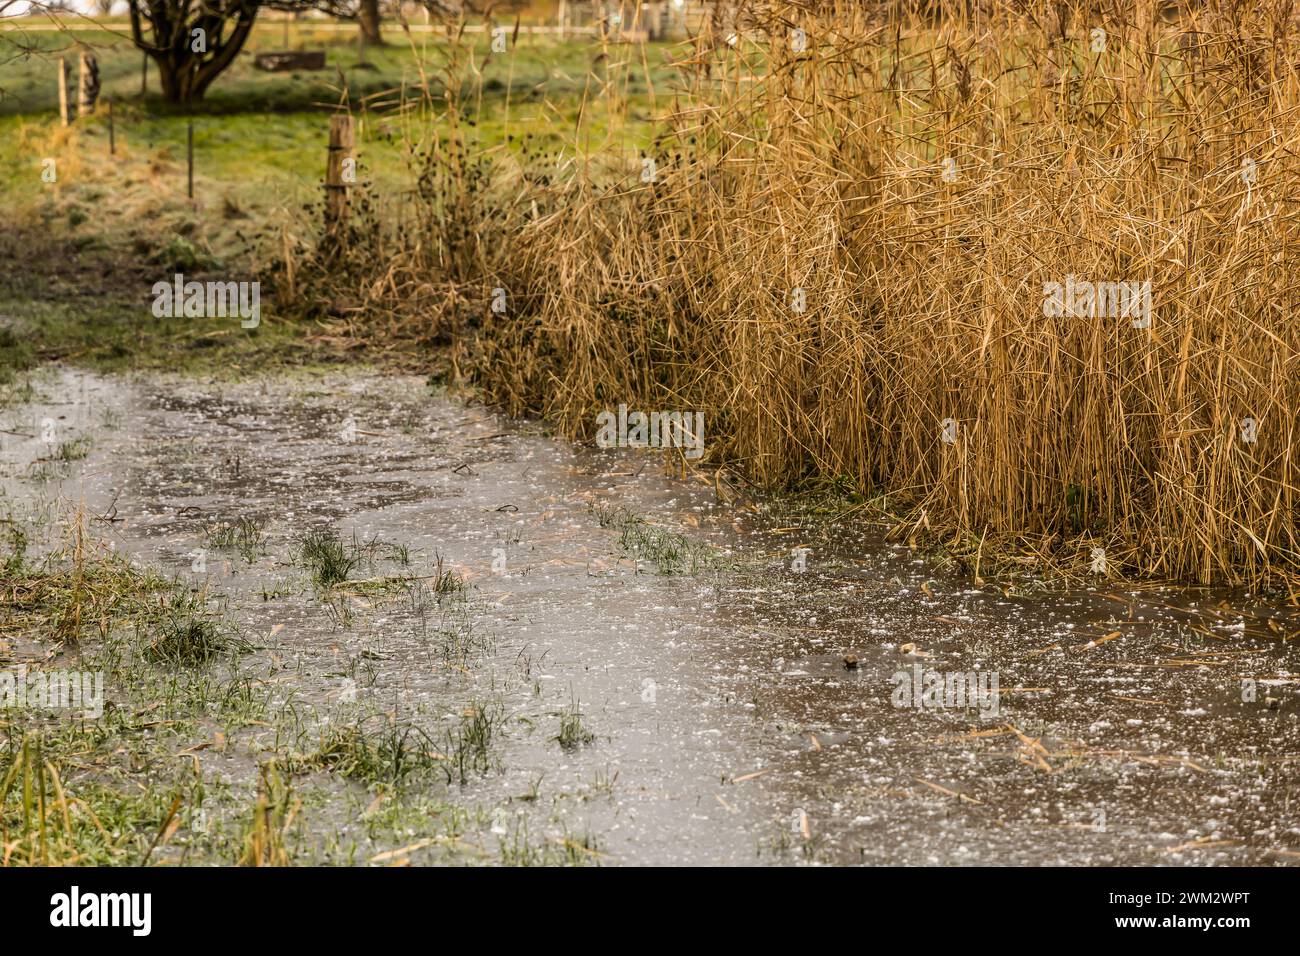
(17,556)
(74,450)
(185,634)
(328,558)
(470,744)
(84,589)
(90,592)
(670,552)
(332,560)
(54,466)
(388,754)
(424,592)
(277,807)
(244,536)
(573,732)
(445,581)
(50,818)
(517,849)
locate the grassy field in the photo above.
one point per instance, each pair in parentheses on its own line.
(111,221)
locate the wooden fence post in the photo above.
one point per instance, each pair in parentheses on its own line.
(64,106)
(342,141)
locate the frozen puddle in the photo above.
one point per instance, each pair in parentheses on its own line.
(727,726)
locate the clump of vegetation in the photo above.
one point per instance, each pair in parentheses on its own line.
(54,466)
(75,592)
(388,753)
(184,633)
(244,535)
(47,820)
(16,353)
(518,849)
(470,744)
(668,551)
(17,555)
(573,731)
(181,255)
(74,449)
(264,842)
(445,581)
(328,557)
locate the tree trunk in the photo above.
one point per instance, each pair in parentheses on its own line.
(185,76)
(185,73)
(368,20)
(87,84)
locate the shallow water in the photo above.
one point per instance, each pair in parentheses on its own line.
(728,727)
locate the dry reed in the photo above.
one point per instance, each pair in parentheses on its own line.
(921,174)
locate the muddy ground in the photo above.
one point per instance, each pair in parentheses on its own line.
(663,684)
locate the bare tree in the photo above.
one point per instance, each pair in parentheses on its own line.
(192,43)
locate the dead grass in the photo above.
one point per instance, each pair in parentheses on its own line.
(824,171)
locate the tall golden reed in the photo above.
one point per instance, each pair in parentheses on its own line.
(921,174)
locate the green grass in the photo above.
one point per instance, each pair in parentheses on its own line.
(518,849)
(244,535)
(73,600)
(471,744)
(328,558)
(43,825)
(99,792)
(73,450)
(258,122)
(89,247)
(537,66)
(112,791)
(668,551)
(573,731)
(113,338)
(377,750)
(294,778)
(445,581)
(107,329)
(260,138)
(187,634)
